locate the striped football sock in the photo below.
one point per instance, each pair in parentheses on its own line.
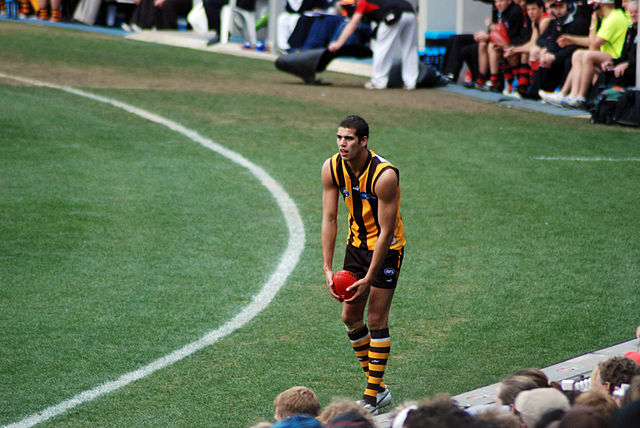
(379,349)
(360,342)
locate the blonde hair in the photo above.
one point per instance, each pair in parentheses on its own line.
(340,407)
(297,400)
(599,399)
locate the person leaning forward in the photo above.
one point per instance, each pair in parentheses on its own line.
(370,187)
(397,25)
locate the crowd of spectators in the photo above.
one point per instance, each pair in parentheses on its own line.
(565,52)
(524,399)
(562,51)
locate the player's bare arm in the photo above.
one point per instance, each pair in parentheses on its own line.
(329,224)
(386,190)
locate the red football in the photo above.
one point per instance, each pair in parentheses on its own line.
(343,280)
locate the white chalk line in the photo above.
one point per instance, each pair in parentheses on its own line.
(287,263)
(584,159)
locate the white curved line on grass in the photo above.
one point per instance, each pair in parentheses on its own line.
(259,302)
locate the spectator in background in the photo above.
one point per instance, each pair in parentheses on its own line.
(499,418)
(555,61)
(633,392)
(509,388)
(627,417)
(49,10)
(213,8)
(87,11)
(622,71)
(583,417)
(520,54)
(341,407)
(604,45)
(298,421)
(599,399)
(532,405)
(287,20)
(616,371)
(538,376)
(157,14)
(351,419)
(396,27)
(297,400)
(511,20)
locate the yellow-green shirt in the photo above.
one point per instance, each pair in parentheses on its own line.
(613,30)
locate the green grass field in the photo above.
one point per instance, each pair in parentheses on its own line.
(123,241)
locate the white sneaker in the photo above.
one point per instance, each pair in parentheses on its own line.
(370,85)
(512,93)
(553,98)
(384,398)
(368,407)
(571,102)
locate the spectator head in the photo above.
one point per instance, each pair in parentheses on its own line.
(632,8)
(340,407)
(536,375)
(607,4)
(628,416)
(584,417)
(599,399)
(558,8)
(499,418)
(510,387)
(633,393)
(531,405)
(427,413)
(455,418)
(535,9)
(550,419)
(616,371)
(351,419)
(298,400)
(501,5)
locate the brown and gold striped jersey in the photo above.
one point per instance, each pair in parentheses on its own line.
(362,202)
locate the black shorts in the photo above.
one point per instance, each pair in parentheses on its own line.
(357,261)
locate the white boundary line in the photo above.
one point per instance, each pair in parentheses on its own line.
(579,159)
(259,302)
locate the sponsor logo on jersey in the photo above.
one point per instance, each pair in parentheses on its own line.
(356,188)
(345,192)
(368,196)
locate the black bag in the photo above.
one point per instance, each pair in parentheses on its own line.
(628,108)
(603,107)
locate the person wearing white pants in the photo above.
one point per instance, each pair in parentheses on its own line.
(397,29)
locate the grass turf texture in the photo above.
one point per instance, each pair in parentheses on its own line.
(123,241)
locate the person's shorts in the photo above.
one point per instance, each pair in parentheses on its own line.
(357,261)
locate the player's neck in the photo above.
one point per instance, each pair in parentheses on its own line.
(356,165)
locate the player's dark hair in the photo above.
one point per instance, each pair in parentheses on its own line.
(356,122)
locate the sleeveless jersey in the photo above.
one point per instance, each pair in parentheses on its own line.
(362,201)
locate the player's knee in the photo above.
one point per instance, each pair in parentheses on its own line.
(352,327)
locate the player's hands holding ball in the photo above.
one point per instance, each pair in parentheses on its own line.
(347,287)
